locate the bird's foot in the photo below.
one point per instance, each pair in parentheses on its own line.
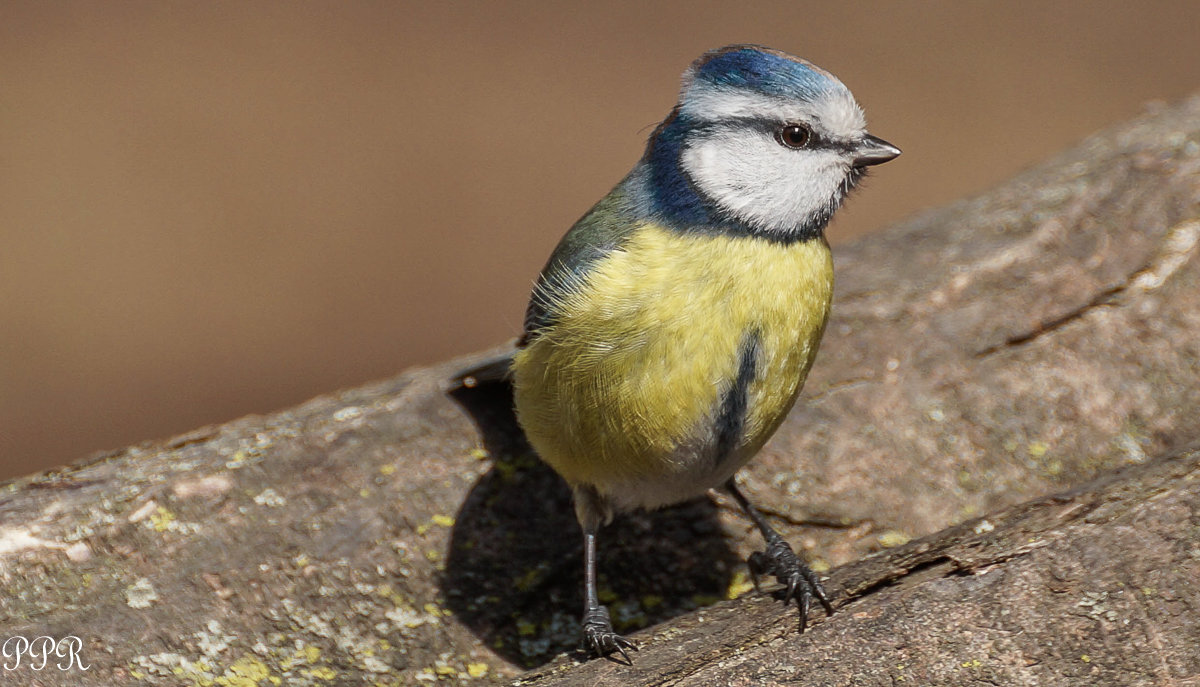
(800,581)
(599,637)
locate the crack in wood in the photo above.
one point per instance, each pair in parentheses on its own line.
(1103,299)
(1176,249)
(899,576)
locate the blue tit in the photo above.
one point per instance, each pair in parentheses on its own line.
(674,325)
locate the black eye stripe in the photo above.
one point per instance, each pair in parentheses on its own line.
(770,128)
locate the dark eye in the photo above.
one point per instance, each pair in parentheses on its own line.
(793,136)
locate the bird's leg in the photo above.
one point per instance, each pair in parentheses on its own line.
(598,635)
(779,560)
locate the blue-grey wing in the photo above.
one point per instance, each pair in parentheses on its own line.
(602,230)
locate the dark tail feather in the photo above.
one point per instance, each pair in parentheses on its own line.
(498,369)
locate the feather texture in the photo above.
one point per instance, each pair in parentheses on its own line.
(623,390)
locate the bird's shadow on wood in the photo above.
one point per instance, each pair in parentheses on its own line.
(514,572)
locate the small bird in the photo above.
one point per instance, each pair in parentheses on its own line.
(674,325)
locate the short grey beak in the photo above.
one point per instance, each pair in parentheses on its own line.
(873,151)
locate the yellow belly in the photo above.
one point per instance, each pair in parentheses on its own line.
(625,385)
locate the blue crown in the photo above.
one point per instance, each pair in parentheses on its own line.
(763,70)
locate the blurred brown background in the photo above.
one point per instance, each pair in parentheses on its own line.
(212,209)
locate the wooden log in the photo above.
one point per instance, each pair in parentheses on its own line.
(1028,341)
(1096,586)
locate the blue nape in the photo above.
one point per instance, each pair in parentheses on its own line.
(674,199)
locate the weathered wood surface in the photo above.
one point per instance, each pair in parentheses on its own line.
(1097,586)
(1018,344)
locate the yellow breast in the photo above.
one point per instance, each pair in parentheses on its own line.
(626,382)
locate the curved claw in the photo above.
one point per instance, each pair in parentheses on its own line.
(599,637)
(805,603)
(792,581)
(818,591)
(801,582)
(605,643)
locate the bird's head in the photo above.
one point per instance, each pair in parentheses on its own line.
(761,139)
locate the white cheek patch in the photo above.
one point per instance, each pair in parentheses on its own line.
(762,183)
